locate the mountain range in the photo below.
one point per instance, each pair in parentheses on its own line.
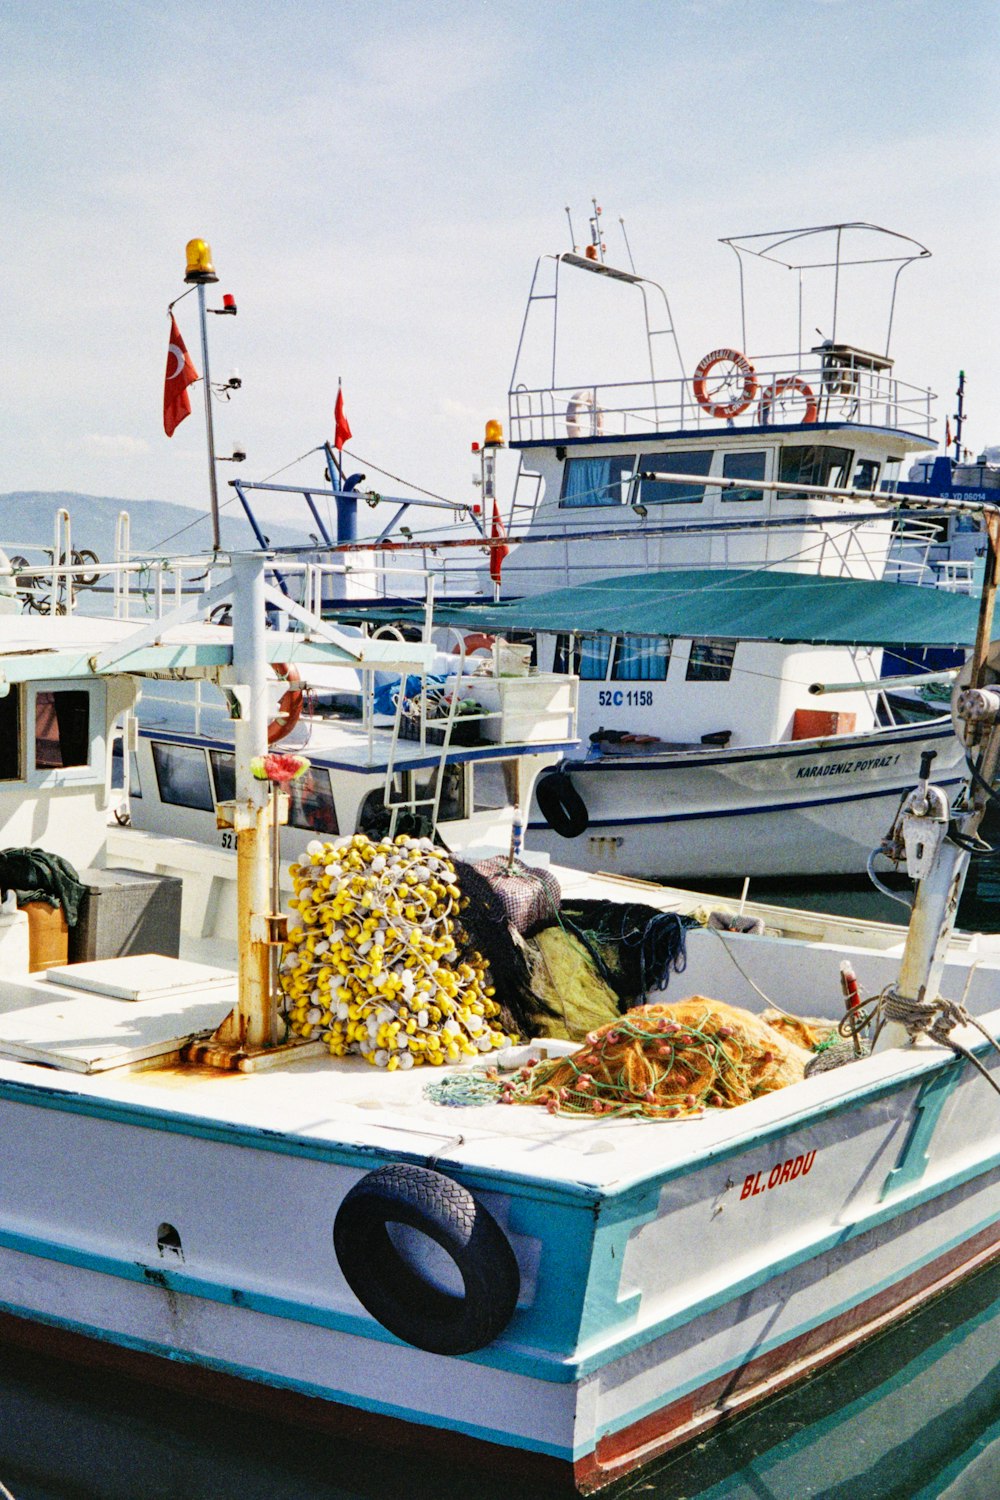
(27,523)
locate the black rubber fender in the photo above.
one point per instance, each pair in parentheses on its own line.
(561,805)
(394,1291)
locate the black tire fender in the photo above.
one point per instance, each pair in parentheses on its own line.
(396,1292)
(561,805)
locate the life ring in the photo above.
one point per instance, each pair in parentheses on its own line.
(790,385)
(476,642)
(739,403)
(561,805)
(403,1294)
(583,411)
(289,705)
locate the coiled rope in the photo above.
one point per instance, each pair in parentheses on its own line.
(933,1018)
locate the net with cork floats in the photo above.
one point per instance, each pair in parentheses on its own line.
(657,1062)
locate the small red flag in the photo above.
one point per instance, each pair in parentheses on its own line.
(947,432)
(180,374)
(343,428)
(497,554)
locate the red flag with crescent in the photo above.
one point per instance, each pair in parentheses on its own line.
(342,433)
(497,554)
(180,374)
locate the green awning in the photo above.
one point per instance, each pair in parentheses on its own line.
(739,605)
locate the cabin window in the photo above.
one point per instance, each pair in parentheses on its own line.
(814,464)
(596,481)
(749,465)
(586,659)
(62,729)
(866,472)
(890,474)
(673,492)
(117,770)
(710,661)
(311,803)
(10,736)
(223,774)
(66,738)
(641,658)
(182,776)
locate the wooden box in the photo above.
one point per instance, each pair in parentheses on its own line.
(817,723)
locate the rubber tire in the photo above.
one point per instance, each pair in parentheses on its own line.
(561,805)
(396,1295)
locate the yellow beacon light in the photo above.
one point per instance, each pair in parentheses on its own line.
(199,262)
(494,434)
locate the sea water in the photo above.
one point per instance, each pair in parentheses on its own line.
(913,1414)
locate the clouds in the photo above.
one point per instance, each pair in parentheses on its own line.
(376,181)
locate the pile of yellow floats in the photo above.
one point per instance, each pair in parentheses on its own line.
(375,965)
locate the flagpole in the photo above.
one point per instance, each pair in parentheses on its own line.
(209,429)
(200,272)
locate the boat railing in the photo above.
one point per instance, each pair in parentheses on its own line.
(837,384)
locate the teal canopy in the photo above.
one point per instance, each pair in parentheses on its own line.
(740,605)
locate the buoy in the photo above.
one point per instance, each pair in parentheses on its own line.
(289,705)
(740,402)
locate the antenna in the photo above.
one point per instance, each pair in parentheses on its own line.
(628,247)
(595,232)
(572,236)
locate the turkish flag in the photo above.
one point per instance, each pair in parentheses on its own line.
(343,428)
(180,374)
(497,554)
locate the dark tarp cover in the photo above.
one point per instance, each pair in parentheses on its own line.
(35,875)
(740,605)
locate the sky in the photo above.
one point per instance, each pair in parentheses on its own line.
(377,178)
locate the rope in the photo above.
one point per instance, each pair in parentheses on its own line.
(933,1018)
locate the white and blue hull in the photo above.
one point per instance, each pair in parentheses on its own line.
(670,1274)
(816,806)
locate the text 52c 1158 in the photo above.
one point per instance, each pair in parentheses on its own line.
(625,698)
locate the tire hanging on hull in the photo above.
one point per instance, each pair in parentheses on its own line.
(561,805)
(396,1289)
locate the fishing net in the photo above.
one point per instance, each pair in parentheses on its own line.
(379,963)
(488,931)
(634,948)
(530,895)
(664,1062)
(570,996)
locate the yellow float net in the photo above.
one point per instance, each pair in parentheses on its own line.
(663,1062)
(378,964)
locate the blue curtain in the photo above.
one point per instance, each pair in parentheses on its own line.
(592,481)
(642,658)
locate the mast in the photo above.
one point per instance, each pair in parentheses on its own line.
(943,841)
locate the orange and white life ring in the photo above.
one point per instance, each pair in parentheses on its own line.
(476,644)
(791,385)
(289,705)
(741,400)
(584,418)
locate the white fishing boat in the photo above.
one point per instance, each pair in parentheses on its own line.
(734,466)
(197,1194)
(705,749)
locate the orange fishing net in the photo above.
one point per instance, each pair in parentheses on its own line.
(665,1061)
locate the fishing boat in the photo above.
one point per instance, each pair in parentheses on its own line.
(731,467)
(200,1191)
(704,746)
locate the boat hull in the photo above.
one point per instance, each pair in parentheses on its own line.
(800,808)
(649,1311)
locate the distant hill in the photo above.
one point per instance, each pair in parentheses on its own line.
(27,518)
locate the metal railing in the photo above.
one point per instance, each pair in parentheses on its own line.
(785,389)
